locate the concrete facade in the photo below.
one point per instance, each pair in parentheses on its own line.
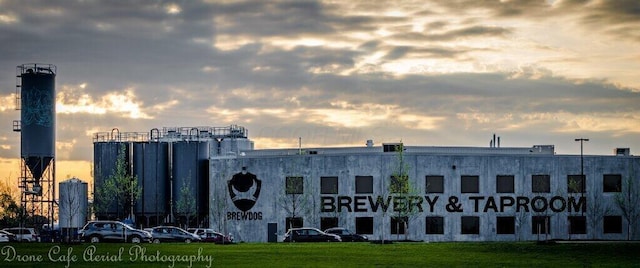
(515,210)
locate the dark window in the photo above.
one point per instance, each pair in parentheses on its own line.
(540,224)
(575,184)
(541,183)
(469,184)
(612,224)
(434,225)
(328,185)
(506,225)
(504,184)
(397,225)
(435,184)
(577,224)
(364,185)
(392,147)
(612,183)
(294,222)
(294,185)
(399,184)
(326,223)
(470,225)
(364,225)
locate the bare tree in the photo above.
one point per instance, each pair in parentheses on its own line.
(70,205)
(596,209)
(294,200)
(186,205)
(628,201)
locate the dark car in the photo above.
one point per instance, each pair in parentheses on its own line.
(346,235)
(112,231)
(172,234)
(309,235)
(211,236)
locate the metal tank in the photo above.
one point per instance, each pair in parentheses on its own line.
(190,171)
(105,157)
(37,118)
(151,168)
(73,205)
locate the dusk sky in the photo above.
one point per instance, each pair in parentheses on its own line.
(335,73)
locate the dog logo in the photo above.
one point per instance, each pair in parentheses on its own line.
(244,189)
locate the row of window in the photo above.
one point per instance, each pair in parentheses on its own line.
(468,184)
(471,224)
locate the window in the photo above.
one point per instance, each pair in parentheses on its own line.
(541,183)
(612,224)
(469,184)
(326,223)
(434,184)
(504,184)
(470,225)
(294,185)
(540,224)
(575,184)
(364,184)
(329,185)
(399,184)
(612,183)
(434,225)
(397,225)
(364,225)
(392,147)
(577,224)
(294,223)
(506,225)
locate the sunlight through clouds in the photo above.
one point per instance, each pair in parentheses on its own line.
(126,103)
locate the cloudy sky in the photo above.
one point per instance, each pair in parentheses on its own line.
(336,73)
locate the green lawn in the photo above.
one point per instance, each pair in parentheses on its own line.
(497,254)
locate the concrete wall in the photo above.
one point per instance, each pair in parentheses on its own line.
(251,225)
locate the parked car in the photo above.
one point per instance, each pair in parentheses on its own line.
(12,237)
(209,235)
(307,234)
(112,231)
(4,238)
(346,235)
(24,234)
(172,234)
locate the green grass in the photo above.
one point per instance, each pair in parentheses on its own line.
(489,254)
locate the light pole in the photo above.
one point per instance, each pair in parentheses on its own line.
(582,178)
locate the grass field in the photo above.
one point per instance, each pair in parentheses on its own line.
(497,254)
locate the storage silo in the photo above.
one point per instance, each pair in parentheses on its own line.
(190,176)
(151,168)
(105,155)
(73,205)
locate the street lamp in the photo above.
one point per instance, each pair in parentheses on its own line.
(582,178)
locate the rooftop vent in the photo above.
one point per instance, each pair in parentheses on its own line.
(622,151)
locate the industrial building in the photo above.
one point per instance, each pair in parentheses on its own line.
(455,193)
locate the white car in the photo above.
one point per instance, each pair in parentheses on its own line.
(4,238)
(24,234)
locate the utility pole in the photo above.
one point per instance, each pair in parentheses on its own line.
(582,178)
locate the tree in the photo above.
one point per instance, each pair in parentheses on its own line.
(186,205)
(120,188)
(294,200)
(10,211)
(405,194)
(70,206)
(597,208)
(628,201)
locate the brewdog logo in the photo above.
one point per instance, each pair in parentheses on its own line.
(244,189)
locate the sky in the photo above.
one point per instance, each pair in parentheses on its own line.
(333,73)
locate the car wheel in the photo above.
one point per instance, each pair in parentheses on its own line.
(187,240)
(135,239)
(94,239)
(156,241)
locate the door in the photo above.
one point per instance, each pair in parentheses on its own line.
(272,232)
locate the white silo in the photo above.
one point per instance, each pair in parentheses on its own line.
(73,206)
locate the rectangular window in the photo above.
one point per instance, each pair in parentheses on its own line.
(294,185)
(612,183)
(612,224)
(294,222)
(504,184)
(540,224)
(434,184)
(470,225)
(506,225)
(328,222)
(397,225)
(364,225)
(577,224)
(399,184)
(364,184)
(469,184)
(541,183)
(328,185)
(434,225)
(575,184)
